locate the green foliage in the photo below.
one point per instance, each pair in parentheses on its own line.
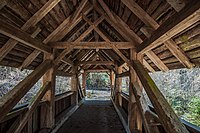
(98,80)
(181,88)
(194,111)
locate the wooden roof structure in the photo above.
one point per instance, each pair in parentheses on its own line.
(127,24)
(63,37)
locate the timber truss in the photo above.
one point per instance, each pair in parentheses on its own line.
(81,42)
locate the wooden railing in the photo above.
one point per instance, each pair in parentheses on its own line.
(191,128)
(12,120)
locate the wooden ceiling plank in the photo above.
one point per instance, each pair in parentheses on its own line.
(107,10)
(9,45)
(171,45)
(78,10)
(31,22)
(138,40)
(53,36)
(178,22)
(21,36)
(3,3)
(67,61)
(117,26)
(140,13)
(62,54)
(154,58)
(146,64)
(71,25)
(178,4)
(95,16)
(92,26)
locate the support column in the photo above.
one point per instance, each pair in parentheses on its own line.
(47,119)
(84,78)
(134,118)
(112,82)
(118,86)
(74,86)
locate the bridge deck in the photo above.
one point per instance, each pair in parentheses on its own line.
(93,117)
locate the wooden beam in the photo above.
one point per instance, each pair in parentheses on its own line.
(97,63)
(21,36)
(107,10)
(92,27)
(146,64)
(29,59)
(162,107)
(47,113)
(63,28)
(132,34)
(96,70)
(7,47)
(3,3)
(32,106)
(62,54)
(71,25)
(164,111)
(91,45)
(118,87)
(143,109)
(95,16)
(178,53)
(118,26)
(78,10)
(64,74)
(74,85)
(67,61)
(139,12)
(154,58)
(178,22)
(178,4)
(170,44)
(13,96)
(124,74)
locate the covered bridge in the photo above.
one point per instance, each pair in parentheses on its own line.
(123,37)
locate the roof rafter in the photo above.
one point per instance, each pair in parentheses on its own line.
(18,35)
(66,24)
(133,36)
(142,15)
(10,44)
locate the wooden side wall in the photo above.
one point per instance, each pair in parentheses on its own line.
(125,102)
(62,103)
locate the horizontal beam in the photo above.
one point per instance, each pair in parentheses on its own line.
(124,74)
(91,45)
(23,37)
(63,74)
(97,63)
(97,70)
(174,25)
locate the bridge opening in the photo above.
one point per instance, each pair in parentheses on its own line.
(98,86)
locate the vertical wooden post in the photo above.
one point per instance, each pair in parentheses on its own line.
(84,78)
(134,118)
(112,82)
(47,118)
(74,86)
(118,87)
